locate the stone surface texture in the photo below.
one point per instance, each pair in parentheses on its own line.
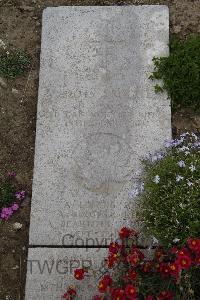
(98,116)
(51,271)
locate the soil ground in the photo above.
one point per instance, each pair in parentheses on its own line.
(20,25)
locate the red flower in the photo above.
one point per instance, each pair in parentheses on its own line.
(197,259)
(118,294)
(133,259)
(71,292)
(104,283)
(184,261)
(149,297)
(164,269)
(66,296)
(111,260)
(165,295)
(132,275)
(79,274)
(183,252)
(147,267)
(107,279)
(174,250)
(125,233)
(114,248)
(137,251)
(194,244)
(158,267)
(102,286)
(174,269)
(131,291)
(159,253)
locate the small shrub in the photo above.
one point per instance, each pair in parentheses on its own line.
(13,62)
(169,205)
(180,73)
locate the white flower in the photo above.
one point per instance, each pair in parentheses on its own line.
(176,240)
(195,136)
(187,152)
(181,205)
(2,44)
(184,134)
(184,148)
(17,225)
(181,164)
(189,183)
(157,157)
(155,240)
(156,179)
(142,187)
(179,178)
(192,168)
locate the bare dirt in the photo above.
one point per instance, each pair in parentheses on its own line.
(20,25)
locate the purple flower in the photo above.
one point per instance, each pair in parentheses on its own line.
(15,206)
(157,157)
(197,144)
(134,193)
(173,143)
(169,143)
(178,142)
(11,174)
(6,213)
(20,195)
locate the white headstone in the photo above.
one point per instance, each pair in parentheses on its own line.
(98,115)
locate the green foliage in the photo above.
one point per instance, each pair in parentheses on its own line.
(6,193)
(170,205)
(13,62)
(180,73)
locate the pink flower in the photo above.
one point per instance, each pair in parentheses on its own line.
(6,213)
(11,174)
(15,206)
(20,195)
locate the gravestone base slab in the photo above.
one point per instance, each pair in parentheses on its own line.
(50,271)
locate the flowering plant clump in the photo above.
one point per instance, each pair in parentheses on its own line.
(9,199)
(130,276)
(169,205)
(13,62)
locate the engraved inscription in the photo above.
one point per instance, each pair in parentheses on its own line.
(103,161)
